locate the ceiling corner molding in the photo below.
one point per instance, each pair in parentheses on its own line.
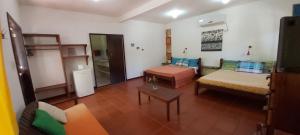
(143,9)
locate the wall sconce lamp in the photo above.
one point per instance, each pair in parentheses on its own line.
(249,50)
(184,51)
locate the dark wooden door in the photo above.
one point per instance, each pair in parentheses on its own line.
(21,60)
(115,45)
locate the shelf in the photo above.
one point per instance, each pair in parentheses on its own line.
(77,56)
(62,99)
(74,45)
(43,47)
(40,35)
(48,88)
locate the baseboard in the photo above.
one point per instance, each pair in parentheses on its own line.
(135,78)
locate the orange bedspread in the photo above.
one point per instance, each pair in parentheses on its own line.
(182,75)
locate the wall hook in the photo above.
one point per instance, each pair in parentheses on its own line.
(3,33)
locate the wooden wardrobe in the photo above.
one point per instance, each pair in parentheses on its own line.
(283,117)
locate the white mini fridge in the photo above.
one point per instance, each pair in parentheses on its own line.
(83,82)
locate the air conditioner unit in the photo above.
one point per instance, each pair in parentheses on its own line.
(212,20)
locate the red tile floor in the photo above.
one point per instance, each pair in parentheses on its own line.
(211,113)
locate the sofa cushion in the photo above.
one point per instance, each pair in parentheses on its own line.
(82,122)
(53,111)
(47,124)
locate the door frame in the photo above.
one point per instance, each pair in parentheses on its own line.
(123,48)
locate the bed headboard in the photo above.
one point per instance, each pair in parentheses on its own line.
(200,66)
(199,72)
(221,63)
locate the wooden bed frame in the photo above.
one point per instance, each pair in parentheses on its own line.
(199,85)
(172,79)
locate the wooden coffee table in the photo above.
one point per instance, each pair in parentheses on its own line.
(163,94)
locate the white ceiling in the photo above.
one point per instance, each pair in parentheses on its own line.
(119,8)
(190,7)
(114,8)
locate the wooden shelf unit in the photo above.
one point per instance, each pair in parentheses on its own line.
(65,56)
(51,46)
(51,87)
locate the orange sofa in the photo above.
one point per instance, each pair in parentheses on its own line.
(80,121)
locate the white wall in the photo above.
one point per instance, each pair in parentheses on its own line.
(150,37)
(12,7)
(255,23)
(74,27)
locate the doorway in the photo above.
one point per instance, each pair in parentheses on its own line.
(20,55)
(108,58)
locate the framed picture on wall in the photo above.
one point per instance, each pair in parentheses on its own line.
(212,40)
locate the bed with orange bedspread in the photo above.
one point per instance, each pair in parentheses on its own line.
(177,75)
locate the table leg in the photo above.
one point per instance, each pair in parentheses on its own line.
(178,105)
(149,99)
(76,101)
(139,94)
(168,111)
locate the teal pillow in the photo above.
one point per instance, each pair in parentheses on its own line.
(250,67)
(47,124)
(185,62)
(229,65)
(174,60)
(193,62)
(179,62)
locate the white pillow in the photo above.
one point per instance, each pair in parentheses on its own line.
(53,111)
(179,63)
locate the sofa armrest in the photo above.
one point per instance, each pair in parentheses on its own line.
(25,122)
(82,122)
